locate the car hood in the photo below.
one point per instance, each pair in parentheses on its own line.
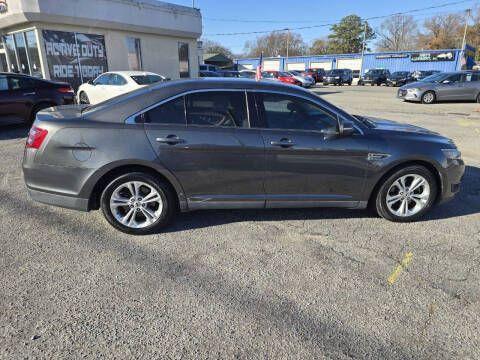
(418,85)
(393,126)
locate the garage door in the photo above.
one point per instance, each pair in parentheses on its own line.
(271,65)
(297,66)
(326,65)
(352,64)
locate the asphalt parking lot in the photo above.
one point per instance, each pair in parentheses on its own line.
(296,284)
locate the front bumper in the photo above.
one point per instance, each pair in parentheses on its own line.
(451,179)
(413,95)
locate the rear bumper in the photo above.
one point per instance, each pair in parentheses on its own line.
(64,201)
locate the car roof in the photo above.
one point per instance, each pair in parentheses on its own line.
(131,73)
(118,108)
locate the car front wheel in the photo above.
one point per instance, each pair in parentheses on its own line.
(84,98)
(428,97)
(138,203)
(407,194)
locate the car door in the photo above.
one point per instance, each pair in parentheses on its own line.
(204,139)
(117,85)
(451,88)
(99,90)
(472,85)
(21,95)
(307,161)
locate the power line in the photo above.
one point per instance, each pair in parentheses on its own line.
(333,23)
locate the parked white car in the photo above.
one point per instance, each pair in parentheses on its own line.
(307,81)
(111,84)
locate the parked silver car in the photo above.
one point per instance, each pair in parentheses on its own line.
(461,85)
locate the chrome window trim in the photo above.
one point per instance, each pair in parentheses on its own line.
(131,119)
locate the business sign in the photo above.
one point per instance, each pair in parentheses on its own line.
(3,6)
(74,57)
(392,56)
(429,56)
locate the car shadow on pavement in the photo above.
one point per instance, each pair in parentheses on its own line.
(13,131)
(466,202)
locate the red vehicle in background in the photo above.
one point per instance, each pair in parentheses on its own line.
(281,76)
(317,74)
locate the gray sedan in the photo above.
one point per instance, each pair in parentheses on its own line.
(224,144)
(460,86)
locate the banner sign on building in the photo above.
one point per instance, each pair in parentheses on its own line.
(392,56)
(74,57)
(430,56)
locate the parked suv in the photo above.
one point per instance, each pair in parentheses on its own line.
(399,78)
(230,144)
(374,77)
(22,96)
(338,77)
(460,86)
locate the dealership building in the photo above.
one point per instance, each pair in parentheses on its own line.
(443,60)
(75,41)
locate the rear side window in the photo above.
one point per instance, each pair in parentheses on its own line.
(21,83)
(475,77)
(3,83)
(117,80)
(172,112)
(146,79)
(217,108)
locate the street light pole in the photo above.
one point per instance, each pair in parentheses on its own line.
(363,46)
(288,41)
(464,41)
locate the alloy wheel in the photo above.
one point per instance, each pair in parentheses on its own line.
(136,204)
(428,98)
(408,195)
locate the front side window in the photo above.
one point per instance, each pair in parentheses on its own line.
(172,112)
(184,62)
(134,53)
(103,79)
(454,78)
(117,80)
(217,108)
(287,112)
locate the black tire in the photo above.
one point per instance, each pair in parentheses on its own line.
(381,195)
(83,98)
(169,200)
(428,97)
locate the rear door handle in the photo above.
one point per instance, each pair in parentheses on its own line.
(170,140)
(30,93)
(285,143)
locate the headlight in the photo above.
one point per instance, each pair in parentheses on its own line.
(452,154)
(412,90)
(337,77)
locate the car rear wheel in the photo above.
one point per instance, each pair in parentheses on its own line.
(83,97)
(428,97)
(138,203)
(407,194)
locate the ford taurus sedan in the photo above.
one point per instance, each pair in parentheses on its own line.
(229,144)
(459,86)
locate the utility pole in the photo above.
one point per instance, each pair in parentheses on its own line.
(288,40)
(193,4)
(363,46)
(464,41)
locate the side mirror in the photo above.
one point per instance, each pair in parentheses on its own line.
(348,131)
(446,82)
(91,82)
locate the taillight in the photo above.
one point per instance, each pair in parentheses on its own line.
(65,90)
(36,137)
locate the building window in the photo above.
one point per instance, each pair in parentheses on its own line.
(134,53)
(11,53)
(183,58)
(33,56)
(22,53)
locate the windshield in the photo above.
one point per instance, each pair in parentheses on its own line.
(146,79)
(435,78)
(334,72)
(374,72)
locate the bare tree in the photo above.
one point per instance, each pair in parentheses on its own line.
(397,33)
(275,44)
(213,47)
(442,32)
(319,47)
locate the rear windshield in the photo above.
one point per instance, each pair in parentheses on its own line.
(146,79)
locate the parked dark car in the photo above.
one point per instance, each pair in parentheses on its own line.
(229,73)
(224,144)
(375,77)
(455,86)
(338,77)
(317,74)
(399,78)
(207,67)
(205,73)
(22,96)
(422,74)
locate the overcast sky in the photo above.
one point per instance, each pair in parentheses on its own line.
(227,16)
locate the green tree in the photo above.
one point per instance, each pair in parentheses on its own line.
(319,47)
(347,35)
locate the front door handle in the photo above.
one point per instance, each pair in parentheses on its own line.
(30,93)
(285,143)
(170,140)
